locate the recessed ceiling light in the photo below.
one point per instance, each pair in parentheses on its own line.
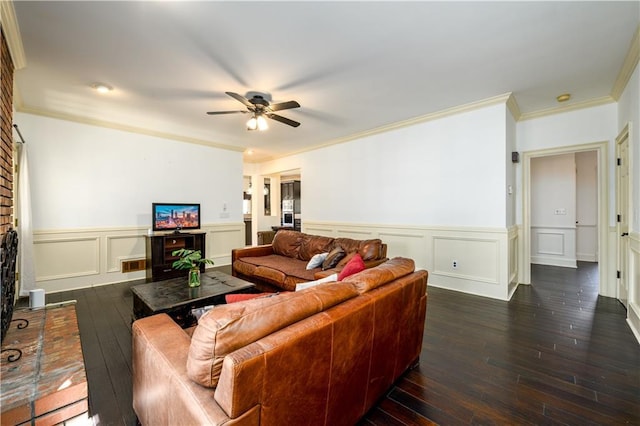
(101,87)
(564,97)
(249,152)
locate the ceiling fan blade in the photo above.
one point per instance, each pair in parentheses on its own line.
(284,105)
(225,112)
(284,120)
(240,98)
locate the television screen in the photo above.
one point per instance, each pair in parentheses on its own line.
(175,217)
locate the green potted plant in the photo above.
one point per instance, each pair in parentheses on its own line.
(191,260)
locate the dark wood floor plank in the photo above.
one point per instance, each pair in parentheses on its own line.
(555,354)
(390,412)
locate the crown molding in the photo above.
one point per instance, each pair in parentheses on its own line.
(125,128)
(512,104)
(472,106)
(565,108)
(630,63)
(500,99)
(11,31)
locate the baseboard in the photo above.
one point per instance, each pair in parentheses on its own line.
(549,261)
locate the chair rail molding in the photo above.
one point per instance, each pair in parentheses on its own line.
(68,259)
(486,261)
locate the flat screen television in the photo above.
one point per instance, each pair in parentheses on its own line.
(175,217)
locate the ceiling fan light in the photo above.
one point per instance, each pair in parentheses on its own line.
(101,88)
(252,124)
(262,123)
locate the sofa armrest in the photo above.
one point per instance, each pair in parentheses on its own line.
(162,391)
(374,262)
(256,251)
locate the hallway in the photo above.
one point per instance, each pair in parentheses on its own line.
(557,353)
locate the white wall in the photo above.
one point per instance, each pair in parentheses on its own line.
(587,206)
(584,126)
(629,112)
(448,172)
(92,190)
(435,192)
(87,176)
(553,210)
(565,182)
(511,167)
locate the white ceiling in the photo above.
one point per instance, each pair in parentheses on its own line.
(353,66)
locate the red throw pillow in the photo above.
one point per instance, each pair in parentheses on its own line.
(233,298)
(355,265)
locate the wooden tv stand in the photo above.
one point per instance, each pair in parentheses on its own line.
(159,253)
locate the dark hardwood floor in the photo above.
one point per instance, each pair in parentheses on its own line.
(557,353)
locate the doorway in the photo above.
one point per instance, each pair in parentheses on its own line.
(602,208)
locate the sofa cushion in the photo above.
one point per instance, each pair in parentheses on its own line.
(333,258)
(309,284)
(316,260)
(244,267)
(287,243)
(230,327)
(275,267)
(311,245)
(368,249)
(375,277)
(355,265)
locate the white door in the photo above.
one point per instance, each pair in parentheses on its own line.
(622,214)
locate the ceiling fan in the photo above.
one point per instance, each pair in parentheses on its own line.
(260,107)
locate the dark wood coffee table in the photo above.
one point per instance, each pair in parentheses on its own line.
(175,298)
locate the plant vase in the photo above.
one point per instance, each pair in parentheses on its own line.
(193,261)
(194,277)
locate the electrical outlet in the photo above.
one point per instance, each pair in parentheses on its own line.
(455,264)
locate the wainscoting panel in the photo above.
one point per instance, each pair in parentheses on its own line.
(482,255)
(514,259)
(66,258)
(123,247)
(633,311)
(404,244)
(470,259)
(319,229)
(587,243)
(78,258)
(550,243)
(553,246)
(221,239)
(359,234)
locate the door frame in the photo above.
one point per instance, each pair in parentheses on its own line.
(623,266)
(602,150)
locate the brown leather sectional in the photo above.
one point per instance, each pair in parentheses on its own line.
(282,264)
(319,356)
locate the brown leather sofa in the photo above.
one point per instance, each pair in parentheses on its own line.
(319,356)
(282,264)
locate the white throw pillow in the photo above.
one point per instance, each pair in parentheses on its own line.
(317,260)
(328,279)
